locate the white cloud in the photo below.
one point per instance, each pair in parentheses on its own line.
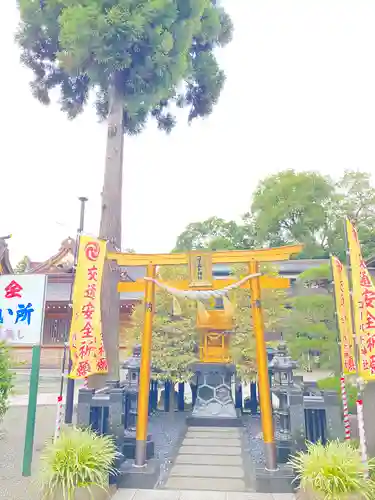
(299,94)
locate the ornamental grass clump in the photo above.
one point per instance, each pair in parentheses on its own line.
(79,459)
(333,472)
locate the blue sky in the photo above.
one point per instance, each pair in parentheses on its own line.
(300,93)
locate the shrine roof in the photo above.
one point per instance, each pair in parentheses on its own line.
(5,265)
(61,262)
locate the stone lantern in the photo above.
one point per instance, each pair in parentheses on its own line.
(282,367)
(132,367)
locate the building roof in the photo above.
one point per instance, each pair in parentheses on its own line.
(5,265)
(59,269)
(61,262)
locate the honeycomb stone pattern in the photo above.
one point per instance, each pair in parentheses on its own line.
(214,398)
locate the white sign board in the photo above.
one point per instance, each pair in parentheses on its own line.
(22,302)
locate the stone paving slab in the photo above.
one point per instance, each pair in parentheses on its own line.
(204,483)
(209,459)
(125,494)
(211,442)
(209,450)
(208,471)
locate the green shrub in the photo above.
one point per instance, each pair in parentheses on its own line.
(333,472)
(333,384)
(78,459)
(6,379)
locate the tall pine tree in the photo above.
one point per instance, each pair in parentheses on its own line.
(137,58)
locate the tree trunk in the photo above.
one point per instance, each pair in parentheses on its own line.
(110,230)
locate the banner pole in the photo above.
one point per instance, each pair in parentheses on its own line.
(344,398)
(359,402)
(69,404)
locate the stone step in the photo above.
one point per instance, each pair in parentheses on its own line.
(212,435)
(211,442)
(209,450)
(202,484)
(222,430)
(209,460)
(208,471)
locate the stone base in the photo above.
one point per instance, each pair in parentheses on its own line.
(279,481)
(139,478)
(128,449)
(193,421)
(214,397)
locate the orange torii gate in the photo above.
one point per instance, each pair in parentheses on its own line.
(200,267)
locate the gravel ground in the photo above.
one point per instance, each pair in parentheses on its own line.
(254,435)
(12,485)
(168,430)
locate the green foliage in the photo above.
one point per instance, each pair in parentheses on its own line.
(290,207)
(6,378)
(333,472)
(174,338)
(319,275)
(22,265)
(78,459)
(310,327)
(160,52)
(243,341)
(333,384)
(309,208)
(215,234)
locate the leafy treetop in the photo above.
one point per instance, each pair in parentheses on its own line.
(290,207)
(157,52)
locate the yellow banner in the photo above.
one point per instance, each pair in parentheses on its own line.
(344,319)
(363,296)
(86,340)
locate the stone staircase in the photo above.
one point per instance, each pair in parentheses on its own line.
(210,458)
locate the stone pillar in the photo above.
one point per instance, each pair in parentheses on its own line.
(84,407)
(335,427)
(297,420)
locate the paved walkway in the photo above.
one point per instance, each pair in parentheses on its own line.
(44,399)
(210,458)
(125,494)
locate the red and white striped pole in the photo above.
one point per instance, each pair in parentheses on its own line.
(362,435)
(59,416)
(344,400)
(86,383)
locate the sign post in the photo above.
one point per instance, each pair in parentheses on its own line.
(22,303)
(31,412)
